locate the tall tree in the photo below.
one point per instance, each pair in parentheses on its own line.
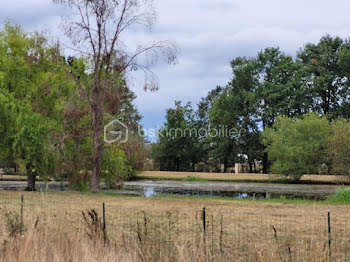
(327,74)
(202,115)
(97,33)
(243,88)
(277,92)
(178,140)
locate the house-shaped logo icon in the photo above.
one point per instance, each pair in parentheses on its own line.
(116,131)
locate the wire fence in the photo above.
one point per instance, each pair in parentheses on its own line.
(294,236)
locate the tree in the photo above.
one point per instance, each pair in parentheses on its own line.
(35,88)
(224,113)
(242,90)
(178,140)
(339,147)
(75,140)
(8,111)
(97,35)
(202,115)
(31,144)
(279,89)
(297,146)
(327,75)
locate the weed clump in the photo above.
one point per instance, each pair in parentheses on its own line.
(14,224)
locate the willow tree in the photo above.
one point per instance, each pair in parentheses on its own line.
(97,30)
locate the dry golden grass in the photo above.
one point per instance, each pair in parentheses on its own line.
(167,229)
(232,176)
(12,177)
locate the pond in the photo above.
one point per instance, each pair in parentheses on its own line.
(149,188)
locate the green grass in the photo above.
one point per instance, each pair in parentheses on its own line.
(280,200)
(341,196)
(270,200)
(193,178)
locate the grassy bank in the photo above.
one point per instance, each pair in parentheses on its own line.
(244,178)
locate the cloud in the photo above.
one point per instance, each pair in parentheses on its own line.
(210,34)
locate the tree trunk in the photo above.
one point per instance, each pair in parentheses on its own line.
(30,178)
(225,166)
(254,166)
(250,167)
(97,145)
(265,164)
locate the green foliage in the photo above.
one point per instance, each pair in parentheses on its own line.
(31,142)
(115,168)
(339,147)
(341,195)
(14,225)
(8,111)
(79,184)
(327,73)
(178,145)
(45,122)
(297,146)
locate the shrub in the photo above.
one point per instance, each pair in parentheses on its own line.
(297,146)
(339,147)
(79,185)
(115,169)
(341,195)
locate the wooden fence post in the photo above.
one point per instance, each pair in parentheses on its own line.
(22,209)
(329,236)
(204,223)
(104,216)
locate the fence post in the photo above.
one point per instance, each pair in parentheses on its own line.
(204,223)
(22,209)
(104,216)
(329,235)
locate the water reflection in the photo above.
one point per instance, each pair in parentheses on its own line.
(149,192)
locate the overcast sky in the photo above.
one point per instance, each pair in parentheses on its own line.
(209,33)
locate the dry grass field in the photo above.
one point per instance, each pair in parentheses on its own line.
(170,229)
(238,177)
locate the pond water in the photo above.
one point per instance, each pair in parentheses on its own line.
(149,188)
(151,192)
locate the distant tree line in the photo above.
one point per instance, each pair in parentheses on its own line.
(265,93)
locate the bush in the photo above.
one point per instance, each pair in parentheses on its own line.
(79,185)
(297,146)
(115,169)
(14,225)
(339,147)
(341,195)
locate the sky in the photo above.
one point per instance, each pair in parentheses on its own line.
(209,34)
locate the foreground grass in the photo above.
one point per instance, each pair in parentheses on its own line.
(171,229)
